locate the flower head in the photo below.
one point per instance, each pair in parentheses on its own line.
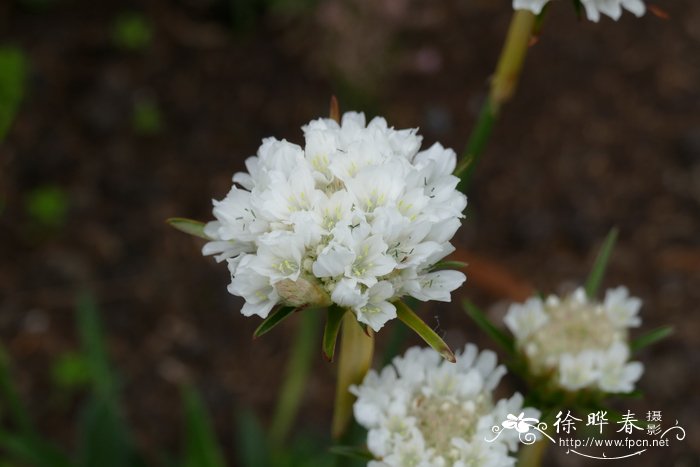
(594,8)
(578,343)
(357,217)
(423,411)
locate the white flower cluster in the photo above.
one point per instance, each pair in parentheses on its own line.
(579,343)
(357,217)
(425,412)
(611,8)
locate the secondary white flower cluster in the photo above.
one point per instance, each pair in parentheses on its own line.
(577,342)
(424,411)
(594,8)
(357,217)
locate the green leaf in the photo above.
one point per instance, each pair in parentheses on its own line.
(103,381)
(105,441)
(330,332)
(650,338)
(31,450)
(131,31)
(47,205)
(201,447)
(601,263)
(297,376)
(636,394)
(146,117)
(10,398)
(252,448)
(578,8)
(105,436)
(412,320)
(24,444)
(189,226)
(12,77)
(480,318)
(449,265)
(353,452)
(275,318)
(70,371)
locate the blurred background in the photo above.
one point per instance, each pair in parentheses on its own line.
(120,114)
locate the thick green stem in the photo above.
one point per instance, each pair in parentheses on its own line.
(510,63)
(356,350)
(503,85)
(476,144)
(298,368)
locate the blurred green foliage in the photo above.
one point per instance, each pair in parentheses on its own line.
(201,447)
(70,371)
(12,77)
(245,14)
(146,117)
(47,206)
(131,31)
(104,438)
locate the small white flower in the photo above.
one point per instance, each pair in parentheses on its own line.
(594,8)
(357,217)
(423,411)
(279,256)
(435,285)
(259,294)
(376,310)
(578,343)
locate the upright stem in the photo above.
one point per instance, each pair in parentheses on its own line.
(503,85)
(356,350)
(298,369)
(510,63)
(531,456)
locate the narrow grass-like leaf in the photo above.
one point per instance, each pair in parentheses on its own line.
(601,263)
(411,319)
(353,452)
(106,440)
(10,399)
(578,8)
(252,448)
(188,226)
(201,447)
(275,318)
(296,378)
(637,394)
(12,77)
(24,444)
(330,332)
(480,318)
(104,437)
(449,265)
(32,451)
(651,338)
(90,331)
